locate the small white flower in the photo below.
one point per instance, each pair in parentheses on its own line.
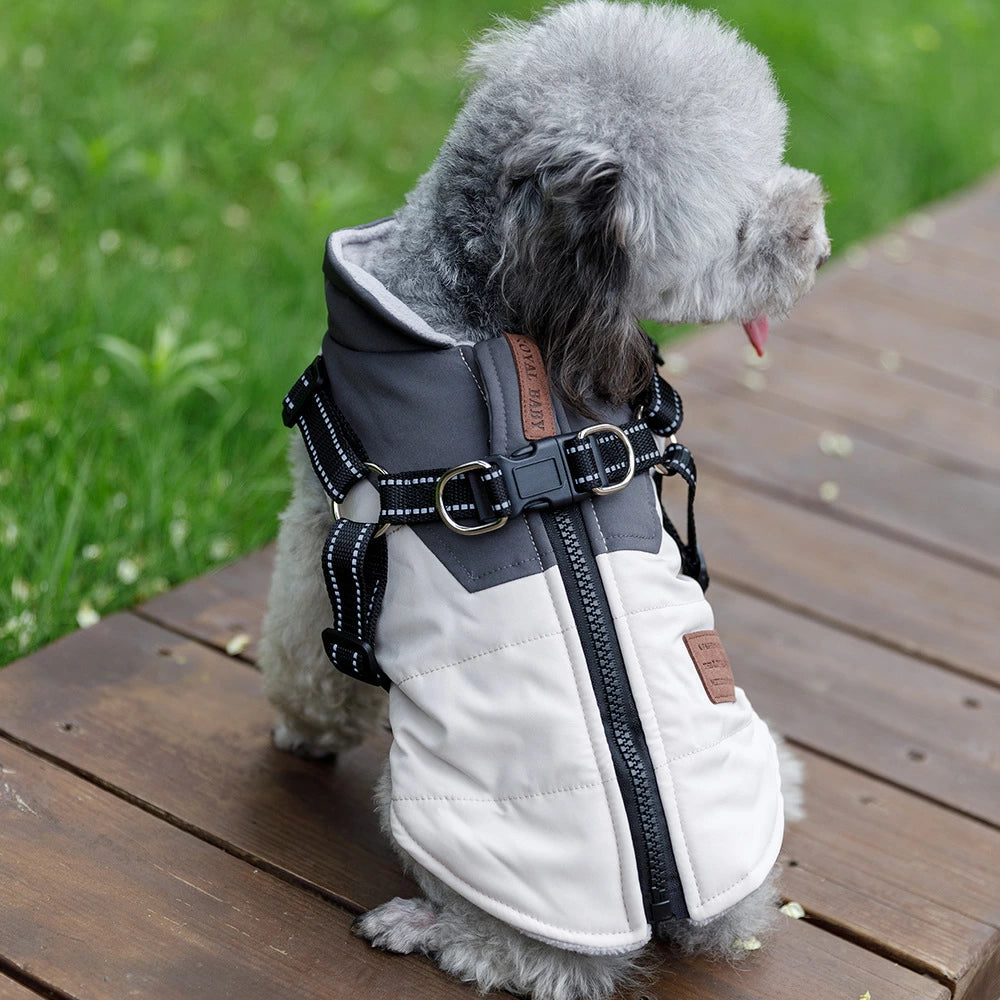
(385,79)
(890,360)
(119,501)
(265,128)
(839,445)
(18,179)
(221,548)
(109,242)
(675,363)
(20,590)
(287,172)
(86,616)
(33,57)
(127,571)
(236,216)
(43,199)
(140,50)
(47,266)
(12,223)
(793,910)
(829,491)
(237,644)
(179,530)
(91,552)
(10,534)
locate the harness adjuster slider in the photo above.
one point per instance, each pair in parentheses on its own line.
(354,657)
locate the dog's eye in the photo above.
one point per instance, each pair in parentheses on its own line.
(741,233)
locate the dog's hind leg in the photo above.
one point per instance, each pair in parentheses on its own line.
(476,947)
(320,710)
(479,949)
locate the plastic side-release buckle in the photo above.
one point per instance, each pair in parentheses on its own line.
(354,657)
(540,476)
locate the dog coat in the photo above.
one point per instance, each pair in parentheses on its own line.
(570,752)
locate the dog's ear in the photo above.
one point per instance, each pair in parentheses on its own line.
(568,234)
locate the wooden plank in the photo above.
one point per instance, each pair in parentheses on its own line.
(942,313)
(874,335)
(104,901)
(913,600)
(10,990)
(969,223)
(204,769)
(869,856)
(888,408)
(225,606)
(901,495)
(871,707)
(922,277)
(823,967)
(188,731)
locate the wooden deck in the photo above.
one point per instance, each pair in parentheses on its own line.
(153,844)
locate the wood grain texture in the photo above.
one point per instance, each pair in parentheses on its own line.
(186,730)
(859,580)
(870,707)
(864,400)
(136,861)
(869,856)
(746,440)
(223,606)
(10,990)
(103,901)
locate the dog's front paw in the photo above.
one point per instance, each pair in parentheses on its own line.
(401,925)
(286,737)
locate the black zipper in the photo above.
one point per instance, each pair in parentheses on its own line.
(662,893)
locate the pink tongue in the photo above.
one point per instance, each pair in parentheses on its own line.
(757,332)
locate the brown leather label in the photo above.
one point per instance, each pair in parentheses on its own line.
(713,665)
(537,418)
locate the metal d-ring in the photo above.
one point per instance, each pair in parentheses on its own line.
(623,437)
(335,507)
(463,529)
(660,467)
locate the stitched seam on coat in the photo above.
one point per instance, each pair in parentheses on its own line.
(477,656)
(461,354)
(708,746)
(632,612)
(507,906)
(704,900)
(506,798)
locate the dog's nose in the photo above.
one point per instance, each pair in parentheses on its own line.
(822,260)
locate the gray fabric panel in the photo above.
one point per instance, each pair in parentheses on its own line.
(425,410)
(368,316)
(618,522)
(415,406)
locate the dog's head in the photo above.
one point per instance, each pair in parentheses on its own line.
(635,162)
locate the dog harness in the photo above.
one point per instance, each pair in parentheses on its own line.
(570,752)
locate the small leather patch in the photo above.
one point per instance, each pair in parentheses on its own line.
(537,418)
(713,665)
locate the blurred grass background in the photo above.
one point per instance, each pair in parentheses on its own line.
(170,173)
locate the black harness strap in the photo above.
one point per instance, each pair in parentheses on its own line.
(336,452)
(355,567)
(552,472)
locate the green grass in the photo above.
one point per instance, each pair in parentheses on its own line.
(170,172)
